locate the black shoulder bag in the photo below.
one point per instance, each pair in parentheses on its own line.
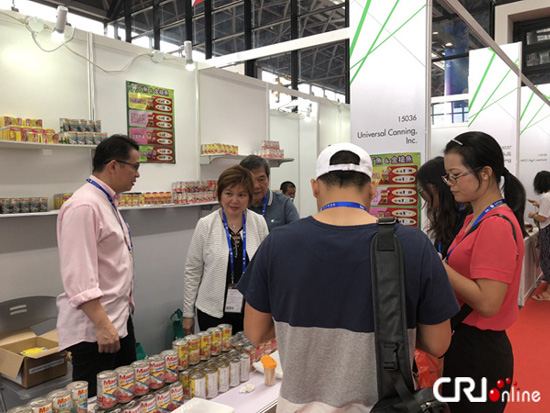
(396,391)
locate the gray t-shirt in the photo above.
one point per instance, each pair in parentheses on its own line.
(279,210)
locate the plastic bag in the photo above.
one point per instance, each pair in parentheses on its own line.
(177,318)
(430,368)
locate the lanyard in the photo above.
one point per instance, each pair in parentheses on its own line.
(344,204)
(478,219)
(231,255)
(265,205)
(117,215)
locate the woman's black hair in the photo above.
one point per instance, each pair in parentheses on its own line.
(541,183)
(445,220)
(478,150)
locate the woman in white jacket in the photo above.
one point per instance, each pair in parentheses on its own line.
(222,245)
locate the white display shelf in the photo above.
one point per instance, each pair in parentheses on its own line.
(37,146)
(273,162)
(140,208)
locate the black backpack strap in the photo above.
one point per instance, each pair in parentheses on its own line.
(465,310)
(388,294)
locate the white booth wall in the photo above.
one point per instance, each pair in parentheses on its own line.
(209,105)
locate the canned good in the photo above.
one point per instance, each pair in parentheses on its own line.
(115,410)
(206,345)
(194,349)
(217,336)
(227,331)
(25,205)
(259,351)
(126,384)
(163,400)
(234,372)
(149,403)
(41,405)
(245,366)
(184,380)
(142,373)
(268,347)
(79,395)
(34,204)
(182,347)
(107,383)
(251,351)
(197,385)
(133,406)
(6,205)
(176,395)
(171,362)
(211,374)
(223,376)
(15,205)
(20,409)
(157,367)
(62,400)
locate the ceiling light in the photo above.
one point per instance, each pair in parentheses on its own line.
(434,33)
(58,33)
(188,48)
(448,44)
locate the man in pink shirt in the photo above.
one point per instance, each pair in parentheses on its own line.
(95,251)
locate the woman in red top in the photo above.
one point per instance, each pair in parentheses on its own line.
(484,267)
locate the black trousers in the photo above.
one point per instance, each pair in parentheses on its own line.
(235,319)
(88,361)
(479,353)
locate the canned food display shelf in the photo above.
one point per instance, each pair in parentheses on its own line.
(273,162)
(140,208)
(36,146)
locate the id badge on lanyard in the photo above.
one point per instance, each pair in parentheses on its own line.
(234,301)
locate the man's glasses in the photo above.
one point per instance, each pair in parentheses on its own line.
(133,165)
(452,179)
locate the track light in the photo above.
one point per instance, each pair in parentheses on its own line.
(58,33)
(188,49)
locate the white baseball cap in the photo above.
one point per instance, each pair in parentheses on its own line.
(324,166)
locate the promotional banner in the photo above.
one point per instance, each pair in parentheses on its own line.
(534,140)
(494,91)
(396,193)
(151,121)
(388,75)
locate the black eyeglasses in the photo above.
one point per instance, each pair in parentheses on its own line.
(133,165)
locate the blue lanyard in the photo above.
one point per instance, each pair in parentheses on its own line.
(344,204)
(117,215)
(478,219)
(231,255)
(265,205)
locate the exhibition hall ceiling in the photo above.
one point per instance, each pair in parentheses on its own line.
(322,66)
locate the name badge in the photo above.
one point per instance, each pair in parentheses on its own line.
(234,302)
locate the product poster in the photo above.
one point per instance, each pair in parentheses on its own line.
(151,121)
(397,193)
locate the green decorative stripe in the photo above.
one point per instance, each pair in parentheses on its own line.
(376,39)
(533,118)
(362,60)
(491,95)
(537,122)
(359,28)
(526,106)
(482,79)
(495,102)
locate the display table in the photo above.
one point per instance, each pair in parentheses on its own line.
(530,271)
(261,400)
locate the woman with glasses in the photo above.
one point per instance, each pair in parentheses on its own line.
(445,215)
(484,267)
(541,184)
(222,245)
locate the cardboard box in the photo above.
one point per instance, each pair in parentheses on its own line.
(34,369)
